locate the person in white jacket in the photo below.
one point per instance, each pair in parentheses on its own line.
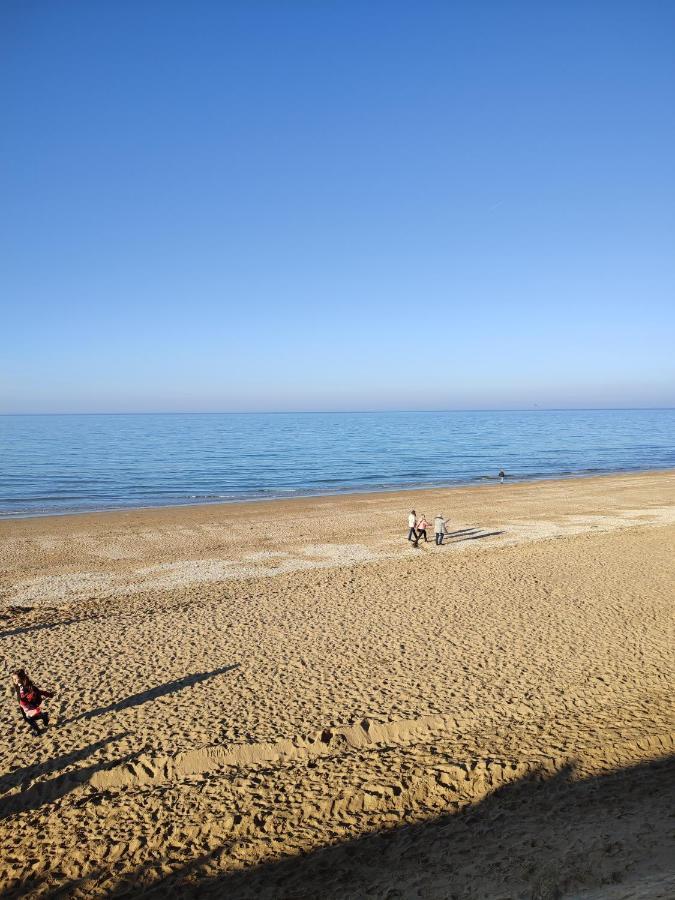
(412,526)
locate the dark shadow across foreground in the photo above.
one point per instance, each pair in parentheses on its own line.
(540,838)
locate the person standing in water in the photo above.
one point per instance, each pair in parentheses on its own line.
(412,525)
(30,698)
(502,476)
(439,529)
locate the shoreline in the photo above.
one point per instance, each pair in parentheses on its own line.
(483,481)
(56,560)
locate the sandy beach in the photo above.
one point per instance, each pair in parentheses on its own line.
(286,700)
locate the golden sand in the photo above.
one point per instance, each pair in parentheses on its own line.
(287,700)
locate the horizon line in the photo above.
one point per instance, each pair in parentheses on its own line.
(309,412)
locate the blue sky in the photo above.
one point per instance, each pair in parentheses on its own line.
(334,205)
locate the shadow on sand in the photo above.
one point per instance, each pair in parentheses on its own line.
(161,690)
(41,626)
(461,531)
(477,536)
(541,838)
(43,792)
(468,534)
(24,776)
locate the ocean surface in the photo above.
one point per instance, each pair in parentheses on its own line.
(73,463)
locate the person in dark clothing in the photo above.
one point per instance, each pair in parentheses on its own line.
(30,698)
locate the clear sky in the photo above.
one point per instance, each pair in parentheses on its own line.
(336,205)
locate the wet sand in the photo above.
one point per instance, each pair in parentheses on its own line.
(287,700)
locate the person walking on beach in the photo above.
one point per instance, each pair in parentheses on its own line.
(30,698)
(502,476)
(422,526)
(412,525)
(439,529)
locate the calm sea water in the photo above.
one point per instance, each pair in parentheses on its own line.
(58,464)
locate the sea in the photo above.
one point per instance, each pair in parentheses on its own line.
(51,464)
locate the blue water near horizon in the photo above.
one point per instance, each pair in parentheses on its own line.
(76,463)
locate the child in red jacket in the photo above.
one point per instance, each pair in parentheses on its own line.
(30,698)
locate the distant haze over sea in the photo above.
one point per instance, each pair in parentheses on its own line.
(71,463)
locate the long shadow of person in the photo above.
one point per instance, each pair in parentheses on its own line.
(41,626)
(461,531)
(25,775)
(153,693)
(480,534)
(43,792)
